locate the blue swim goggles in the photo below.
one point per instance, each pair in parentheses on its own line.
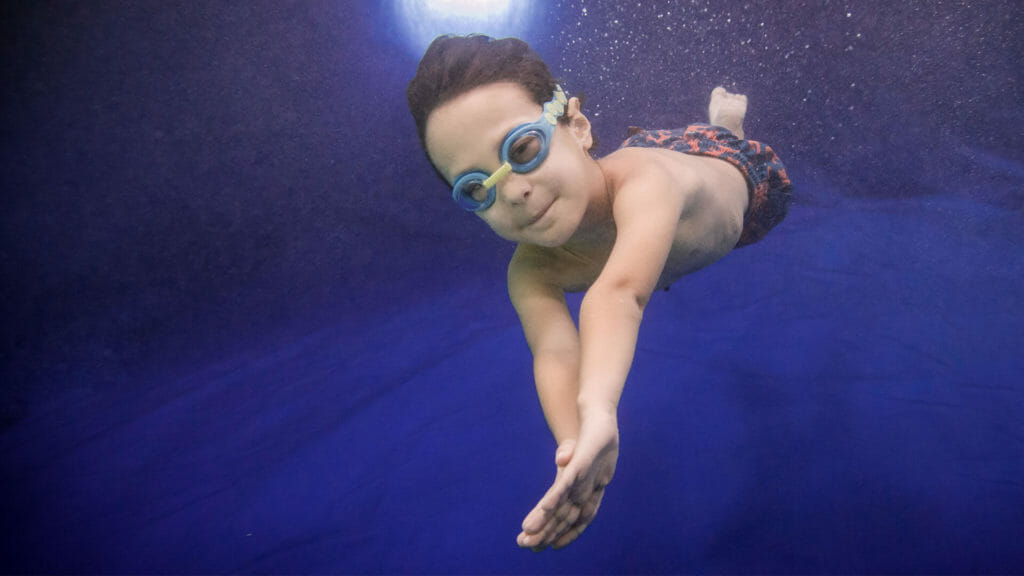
(522,151)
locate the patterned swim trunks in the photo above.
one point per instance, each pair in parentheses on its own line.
(769,187)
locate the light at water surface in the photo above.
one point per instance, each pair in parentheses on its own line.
(423,20)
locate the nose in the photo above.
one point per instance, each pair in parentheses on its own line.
(514,189)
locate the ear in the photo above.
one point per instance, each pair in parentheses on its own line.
(579,125)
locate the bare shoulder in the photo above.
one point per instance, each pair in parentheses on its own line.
(650,177)
(666,169)
(708,196)
(626,164)
(707,183)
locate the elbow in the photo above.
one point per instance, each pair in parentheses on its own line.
(636,299)
(641,302)
(620,295)
(640,298)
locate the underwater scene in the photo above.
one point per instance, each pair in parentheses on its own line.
(246,329)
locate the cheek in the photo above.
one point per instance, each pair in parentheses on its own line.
(566,165)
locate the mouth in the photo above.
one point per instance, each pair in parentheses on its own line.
(536,217)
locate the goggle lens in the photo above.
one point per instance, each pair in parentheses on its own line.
(525,149)
(474,192)
(470,193)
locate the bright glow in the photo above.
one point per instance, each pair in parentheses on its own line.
(423,20)
(468,8)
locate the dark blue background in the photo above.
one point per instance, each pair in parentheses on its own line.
(245,331)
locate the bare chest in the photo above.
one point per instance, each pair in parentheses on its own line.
(706,231)
(576,272)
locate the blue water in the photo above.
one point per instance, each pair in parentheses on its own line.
(245,331)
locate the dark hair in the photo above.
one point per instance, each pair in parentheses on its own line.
(454,65)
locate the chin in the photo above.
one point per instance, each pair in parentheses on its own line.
(545,243)
(553,237)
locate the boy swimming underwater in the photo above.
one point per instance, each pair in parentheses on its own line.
(516,151)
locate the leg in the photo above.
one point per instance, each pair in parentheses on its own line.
(727,110)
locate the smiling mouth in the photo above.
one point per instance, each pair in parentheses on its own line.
(533,220)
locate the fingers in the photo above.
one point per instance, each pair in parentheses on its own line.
(551,507)
(545,522)
(565,519)
(587,513)
(559,522)
(564,525)
(572,501)
(568,538)
(535,520)
(541,514)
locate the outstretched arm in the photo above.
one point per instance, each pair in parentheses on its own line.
(647,213)
(553,340)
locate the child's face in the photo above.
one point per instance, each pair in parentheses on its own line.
(542,207)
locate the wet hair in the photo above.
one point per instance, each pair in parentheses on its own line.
(454,65)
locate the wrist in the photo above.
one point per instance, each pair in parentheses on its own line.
(590,409)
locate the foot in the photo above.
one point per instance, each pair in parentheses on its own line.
(727,110)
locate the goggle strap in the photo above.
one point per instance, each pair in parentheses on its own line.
(497,176)
(556,106)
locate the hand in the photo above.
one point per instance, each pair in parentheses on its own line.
(585,467)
